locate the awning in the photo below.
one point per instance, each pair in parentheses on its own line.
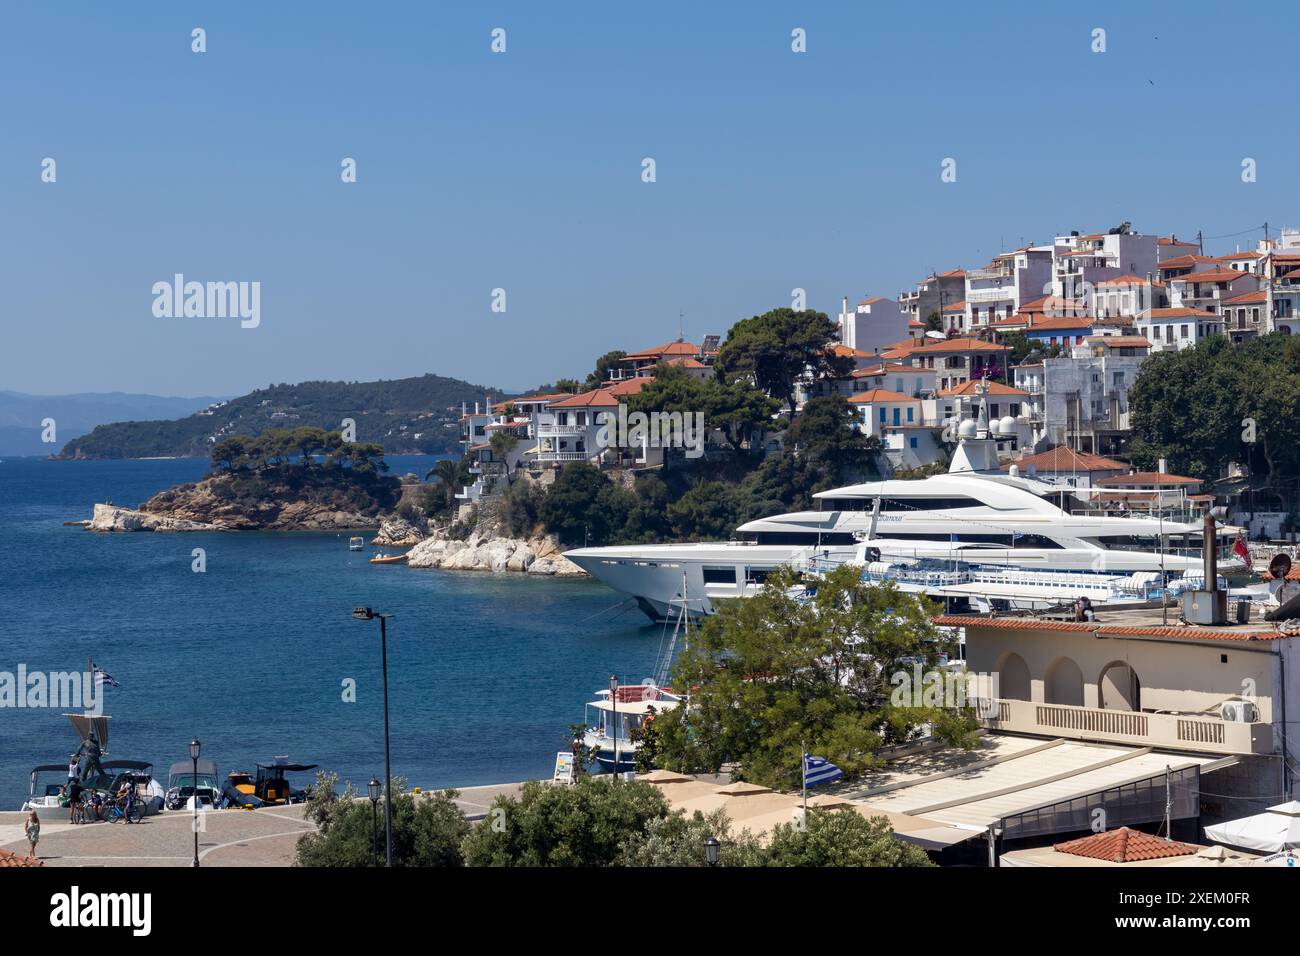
(1277,828)
(977,794)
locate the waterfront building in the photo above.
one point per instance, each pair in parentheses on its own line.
(956,360)
(636,364)
(1062,465)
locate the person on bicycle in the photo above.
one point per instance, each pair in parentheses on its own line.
(125,797)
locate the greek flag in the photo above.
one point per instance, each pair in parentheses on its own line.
(103,677)
(819,770)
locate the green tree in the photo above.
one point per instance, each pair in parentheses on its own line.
(582,506)
(840,838)
(678,840)
(580,825)
(778,348)
(706,512)
(427,832)
(774,675)
(600,375)
(827,431)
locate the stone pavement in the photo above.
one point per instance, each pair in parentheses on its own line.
(264,837)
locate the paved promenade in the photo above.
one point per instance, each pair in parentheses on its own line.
(230,838)
(265,837)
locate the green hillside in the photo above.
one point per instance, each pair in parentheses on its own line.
(406,416)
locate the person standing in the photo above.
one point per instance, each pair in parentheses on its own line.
(33,833)
(73,773)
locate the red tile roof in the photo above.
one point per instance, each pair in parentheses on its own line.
(597,396)
(1259,295)
(873,395)
(628,386)
(961,345)
(1148,478)
(1064,459)
(10,858)
(1213,275)
(1186,632)
(668,348)
(995,389)
(1185,262)
(1120,341)
(1125,846)
(1061,322)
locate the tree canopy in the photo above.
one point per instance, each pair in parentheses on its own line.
(774,676)
(1195,408)
(778,348)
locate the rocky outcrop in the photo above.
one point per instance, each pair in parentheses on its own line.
(491,552)
(399,532)
(208,505)
(114,518)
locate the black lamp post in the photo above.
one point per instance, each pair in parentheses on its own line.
(373,788)
(195,747)
(366,614)
(711,847)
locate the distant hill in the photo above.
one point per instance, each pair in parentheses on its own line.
(406,415)
(74,415)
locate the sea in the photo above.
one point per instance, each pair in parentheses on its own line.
(255,655)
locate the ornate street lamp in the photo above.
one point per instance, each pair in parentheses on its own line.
(195,748)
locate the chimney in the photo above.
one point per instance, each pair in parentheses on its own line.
(1162,467)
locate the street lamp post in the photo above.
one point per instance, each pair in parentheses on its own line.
(366,614)
(195,747)
(711,847)
(373,789)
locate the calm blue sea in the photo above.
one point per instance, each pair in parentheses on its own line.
(486,671)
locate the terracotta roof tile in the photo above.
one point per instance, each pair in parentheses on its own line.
(1066,459)
(1125,846)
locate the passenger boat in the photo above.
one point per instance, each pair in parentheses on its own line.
(356,543)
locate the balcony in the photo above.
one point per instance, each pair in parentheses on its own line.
(1196,732)
(548,431)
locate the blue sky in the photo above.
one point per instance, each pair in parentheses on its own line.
(521,170)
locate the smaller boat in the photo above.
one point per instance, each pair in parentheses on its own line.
(183,785)
(356,543)
(631,708)
(389,559)
(46,787)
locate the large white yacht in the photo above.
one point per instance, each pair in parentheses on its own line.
(974,516)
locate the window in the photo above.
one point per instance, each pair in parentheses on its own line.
(756,575)
(910,414)
(911,442)
(1182,331)
(719,575)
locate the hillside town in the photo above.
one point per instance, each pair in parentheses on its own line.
(1053,334)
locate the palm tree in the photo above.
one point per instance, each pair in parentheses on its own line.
(449,473)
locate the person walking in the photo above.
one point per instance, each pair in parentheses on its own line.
(33,833)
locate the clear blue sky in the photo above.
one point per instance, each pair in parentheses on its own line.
(522,171)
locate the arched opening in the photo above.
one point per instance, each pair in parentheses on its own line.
(1013,677)
(1064,683)
(1119,687)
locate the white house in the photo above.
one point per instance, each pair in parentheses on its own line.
(873,324)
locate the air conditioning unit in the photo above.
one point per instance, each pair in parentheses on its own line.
(1239,712)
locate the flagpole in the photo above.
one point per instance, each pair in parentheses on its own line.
(803,775)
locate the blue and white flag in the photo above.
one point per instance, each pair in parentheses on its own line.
(103,677)
(819,770)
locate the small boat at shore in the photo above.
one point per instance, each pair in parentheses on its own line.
(389,559)
(356,543)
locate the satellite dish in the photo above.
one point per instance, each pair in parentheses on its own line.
(1279,567)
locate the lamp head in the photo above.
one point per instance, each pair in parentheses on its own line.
(195,748)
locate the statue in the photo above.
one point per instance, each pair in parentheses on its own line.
(88,754)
